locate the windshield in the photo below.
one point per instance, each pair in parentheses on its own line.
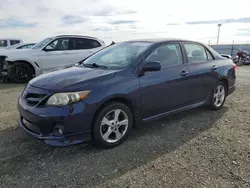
(118,55)
(41,43)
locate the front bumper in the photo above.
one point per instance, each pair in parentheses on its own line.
(41,123)
(3,69)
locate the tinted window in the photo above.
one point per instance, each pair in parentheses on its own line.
(196,53)
(3,43)
(13,42)
(167,55)
(81,43)
(59,44)
(95,43)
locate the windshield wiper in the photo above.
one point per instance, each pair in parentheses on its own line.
(94,65)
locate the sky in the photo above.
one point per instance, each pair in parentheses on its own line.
(120,20)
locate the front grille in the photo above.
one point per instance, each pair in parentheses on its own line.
(34,96)
(33,99)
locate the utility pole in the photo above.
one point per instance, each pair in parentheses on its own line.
(219,25)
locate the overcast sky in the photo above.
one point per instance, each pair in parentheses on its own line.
(118,20)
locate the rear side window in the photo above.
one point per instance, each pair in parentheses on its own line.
(195,53)
(81,44)
(95,43)
(13,42)
(3,43)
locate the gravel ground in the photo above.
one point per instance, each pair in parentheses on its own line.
(198,148)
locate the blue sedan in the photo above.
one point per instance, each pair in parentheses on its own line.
(101,98)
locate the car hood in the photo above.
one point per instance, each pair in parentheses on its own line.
(70,79)
(16,52)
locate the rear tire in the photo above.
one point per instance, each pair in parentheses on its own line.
(20,72)
(112,125)
(218,96)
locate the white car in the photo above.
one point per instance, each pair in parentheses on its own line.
(51,53)
(6,43)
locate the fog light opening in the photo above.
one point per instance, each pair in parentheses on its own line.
(58,131)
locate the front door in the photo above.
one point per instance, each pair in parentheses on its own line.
(167,89)
(55,55)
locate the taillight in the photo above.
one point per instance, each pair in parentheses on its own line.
(234,66)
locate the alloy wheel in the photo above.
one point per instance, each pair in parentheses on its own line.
(114,126)
(219,96)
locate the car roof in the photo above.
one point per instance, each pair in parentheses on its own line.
(159,40)
(82,36)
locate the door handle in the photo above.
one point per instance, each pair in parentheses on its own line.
(214,67)
(184,73)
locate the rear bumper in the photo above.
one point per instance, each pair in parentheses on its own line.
(231,90)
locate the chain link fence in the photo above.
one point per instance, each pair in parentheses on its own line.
(231,49)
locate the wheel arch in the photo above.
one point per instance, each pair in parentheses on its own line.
(24,61)
(119,99)
(225,81)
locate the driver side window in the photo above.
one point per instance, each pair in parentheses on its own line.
(167,54)
(58,45)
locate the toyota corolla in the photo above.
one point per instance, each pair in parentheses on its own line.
(102,97)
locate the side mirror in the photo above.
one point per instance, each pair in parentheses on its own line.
(151,66)
(48,48)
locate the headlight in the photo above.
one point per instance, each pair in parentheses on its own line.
(61,99)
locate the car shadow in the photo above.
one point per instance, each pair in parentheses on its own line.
(20,153)
(9,85)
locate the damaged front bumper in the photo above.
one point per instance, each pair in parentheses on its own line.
(3,68)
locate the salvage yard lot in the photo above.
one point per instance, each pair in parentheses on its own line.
(198,148)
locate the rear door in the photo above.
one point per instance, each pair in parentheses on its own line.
(203,71)
(81,48)
(167,89)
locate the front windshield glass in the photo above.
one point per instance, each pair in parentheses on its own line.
(41,43)
(118,55)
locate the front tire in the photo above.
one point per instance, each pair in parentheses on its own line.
(218,96)
(20,72)
(112,125)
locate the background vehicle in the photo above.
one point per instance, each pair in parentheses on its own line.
(236,60)
(20,46)
(108,93)
(6,43)
(242,60)
(49,54)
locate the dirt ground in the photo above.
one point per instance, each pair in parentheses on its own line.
(198,148)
